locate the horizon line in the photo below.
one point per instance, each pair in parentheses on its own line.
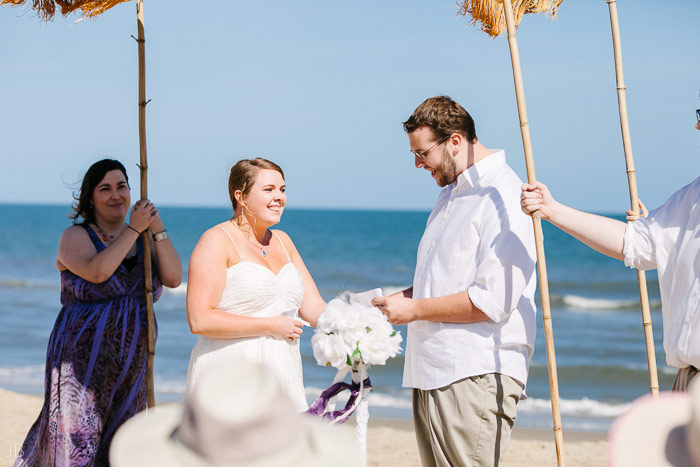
(200,206)
(295,208)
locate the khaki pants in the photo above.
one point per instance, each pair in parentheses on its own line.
(467,423)
(684,377)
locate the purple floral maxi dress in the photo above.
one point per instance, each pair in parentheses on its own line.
(95,376)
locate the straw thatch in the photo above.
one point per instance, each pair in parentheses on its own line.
(489,13)
(46,9)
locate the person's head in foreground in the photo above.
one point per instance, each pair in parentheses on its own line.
(658,432)
(238,415)
(104,193)
(257,191)
(441,133)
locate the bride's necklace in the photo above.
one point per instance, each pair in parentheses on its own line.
(262,249)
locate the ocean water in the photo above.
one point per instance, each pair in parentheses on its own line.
(598,333)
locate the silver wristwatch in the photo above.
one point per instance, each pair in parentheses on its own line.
(160,236)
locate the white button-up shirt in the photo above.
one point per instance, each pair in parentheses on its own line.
(669,240)
(477,239)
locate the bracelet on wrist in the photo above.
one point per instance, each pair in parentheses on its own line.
(129,226)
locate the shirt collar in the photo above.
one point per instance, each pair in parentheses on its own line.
(473,174)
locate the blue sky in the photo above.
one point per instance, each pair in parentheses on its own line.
(322,87)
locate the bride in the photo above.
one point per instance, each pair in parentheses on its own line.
(247,284)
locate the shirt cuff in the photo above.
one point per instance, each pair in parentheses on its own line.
(627,247)
(482,299)
(638,246)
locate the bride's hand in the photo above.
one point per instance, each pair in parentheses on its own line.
(284,327)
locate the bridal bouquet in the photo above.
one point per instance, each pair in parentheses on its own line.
(351,331)
(351,335)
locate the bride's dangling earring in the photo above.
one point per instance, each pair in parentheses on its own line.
(255,220)
(250,214)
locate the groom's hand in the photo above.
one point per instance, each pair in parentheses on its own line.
(397,309)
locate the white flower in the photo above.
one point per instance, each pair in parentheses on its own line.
(329,349)
(373,348)
(349,319)
(324,324)
(374,319)
(352,332)
(380,343)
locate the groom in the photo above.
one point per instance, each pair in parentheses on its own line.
(471,310)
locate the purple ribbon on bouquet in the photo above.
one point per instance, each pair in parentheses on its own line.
(319,407)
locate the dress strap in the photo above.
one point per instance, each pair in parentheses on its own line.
(234,243)
(99,246)
(281,243)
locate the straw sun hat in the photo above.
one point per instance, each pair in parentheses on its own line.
(235,415)
(658,432)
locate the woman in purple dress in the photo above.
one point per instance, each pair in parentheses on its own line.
(96,356)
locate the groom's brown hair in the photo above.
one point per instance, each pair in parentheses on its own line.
(444,117)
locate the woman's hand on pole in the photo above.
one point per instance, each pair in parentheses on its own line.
(643,212)
(143,213)
(536,197)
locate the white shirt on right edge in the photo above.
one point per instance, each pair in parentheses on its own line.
(669,240)
(476,239)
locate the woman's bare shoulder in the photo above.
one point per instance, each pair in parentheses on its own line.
(217,233)
(217,242)
(284,236)
(74,233)
(74,243)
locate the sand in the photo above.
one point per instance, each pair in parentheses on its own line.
(18,413)
(389,442)
(392,443)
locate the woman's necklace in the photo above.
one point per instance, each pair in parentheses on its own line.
(102,234)
(262,249)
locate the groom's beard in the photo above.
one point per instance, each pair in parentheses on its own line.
(446,172)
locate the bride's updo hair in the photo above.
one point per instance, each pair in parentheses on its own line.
(243,175)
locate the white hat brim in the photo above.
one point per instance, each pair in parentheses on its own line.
(146,440)
(651,432)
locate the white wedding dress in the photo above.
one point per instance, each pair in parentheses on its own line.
(253,290)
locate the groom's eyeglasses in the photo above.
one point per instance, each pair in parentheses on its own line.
(697,114)
(424,154)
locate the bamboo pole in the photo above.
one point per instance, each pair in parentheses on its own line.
(145,236)
(634,199)
(539,238)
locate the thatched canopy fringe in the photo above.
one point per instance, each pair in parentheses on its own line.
(46,9)
(490,12)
